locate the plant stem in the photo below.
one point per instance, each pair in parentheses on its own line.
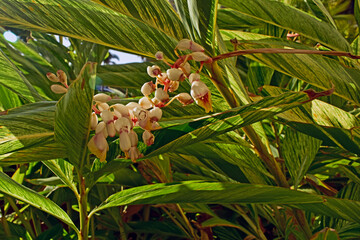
(5,223)
(84,219)
(283,51)
(123,235)
(176,222)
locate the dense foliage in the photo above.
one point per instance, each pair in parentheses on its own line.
(275,158)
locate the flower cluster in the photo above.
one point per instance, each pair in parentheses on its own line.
(119,120)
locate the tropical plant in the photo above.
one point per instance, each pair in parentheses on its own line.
(268,151)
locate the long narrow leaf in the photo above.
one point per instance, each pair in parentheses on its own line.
(18,191)
(73,115)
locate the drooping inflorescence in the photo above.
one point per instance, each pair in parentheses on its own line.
(120,120)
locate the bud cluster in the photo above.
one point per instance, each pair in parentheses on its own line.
(119,120)
(60,77)
(178,72)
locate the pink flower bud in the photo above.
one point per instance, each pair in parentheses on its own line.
(159,55)
(184,98)
(174,85)
(200,57)
(93,121)
(122,125)
(161,95)
(58,89)
(194,77)
(103,106)
(175,74)
(125,143)
(133,138)
(62,77)
(145,103)
(52,77)
(123,110)
(148,138)
(102,98)
(153,71)
(155,114)
(187,44)
(148,88)
(107,116)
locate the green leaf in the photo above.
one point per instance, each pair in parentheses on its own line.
(87,21)
(27,126)
(171,138)
(233,20)
(299,151)
(64,171)
(292,19)
(326,234)
(319,71)
(72,121)
(324,121)
(163,18)
(222,193)
(18,191)
(9,99)
(14,80)
(42,152)
(320,11)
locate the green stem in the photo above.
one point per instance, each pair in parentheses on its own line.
(26,223)
(123,235)
(176,221)
(302,222)
(187,223)
(5,223)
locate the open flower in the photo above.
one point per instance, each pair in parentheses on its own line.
(201,93)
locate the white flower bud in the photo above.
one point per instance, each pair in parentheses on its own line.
(102,98)
(153,71)
(184,98)
(52,77)
(200,57)
(123,110)
(155,100)
(111,129)
(93,121)
(161,95)
(62,76)
(187,68)
(125,143)
(148,138)
(175,74)
(117,114)
(100,128)
(159,55)
(145,103)
(134,153)
(194,77)
(148,88)
(122,125)
(100,142)
(198,89)
(103,106)
(133,138)
(58,89)
(132,105)
(155,114)
(174,85)
(187,44)
(107,116)
(155,125)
